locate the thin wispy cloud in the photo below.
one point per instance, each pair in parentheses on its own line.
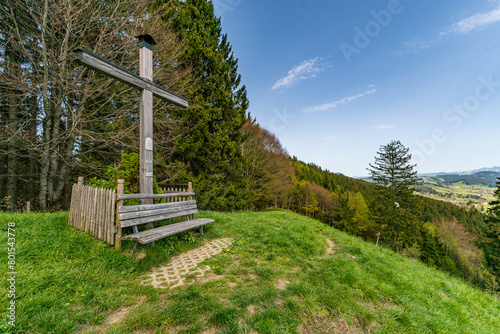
(464,26)
(305,70)
(473,22)
(335,104)
(383,127)
(415,45)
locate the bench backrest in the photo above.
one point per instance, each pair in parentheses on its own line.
(132,215)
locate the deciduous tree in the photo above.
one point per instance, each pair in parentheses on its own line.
(60,117)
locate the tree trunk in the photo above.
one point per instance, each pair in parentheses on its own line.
(44,173)
(12,154)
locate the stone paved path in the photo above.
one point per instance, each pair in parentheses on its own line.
(173,274)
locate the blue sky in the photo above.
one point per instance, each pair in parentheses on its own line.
(335,80)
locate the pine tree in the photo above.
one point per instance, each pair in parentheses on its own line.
(219,104)
(491,244)
(495,205)
(395,207)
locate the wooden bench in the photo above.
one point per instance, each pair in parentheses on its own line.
(134,215)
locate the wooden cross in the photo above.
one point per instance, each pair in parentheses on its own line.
(145,84)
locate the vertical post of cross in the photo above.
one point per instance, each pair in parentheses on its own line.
(146,43)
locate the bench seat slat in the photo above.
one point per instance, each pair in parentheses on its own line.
(146,207)
(144,220)
(139,214)
(148,236)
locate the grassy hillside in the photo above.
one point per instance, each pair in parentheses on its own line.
(280,276)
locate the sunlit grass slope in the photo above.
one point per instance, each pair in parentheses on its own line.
(278,277)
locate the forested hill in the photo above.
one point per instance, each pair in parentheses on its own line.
(452,238)
(486,178)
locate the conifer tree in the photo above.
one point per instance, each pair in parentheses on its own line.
(491,245)
(395,207)
(219,104)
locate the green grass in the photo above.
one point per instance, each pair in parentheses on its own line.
(67,282)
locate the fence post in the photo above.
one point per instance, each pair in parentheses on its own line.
(119,203)
(28,206)
(80,180)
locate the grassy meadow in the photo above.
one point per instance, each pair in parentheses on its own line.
(281,275)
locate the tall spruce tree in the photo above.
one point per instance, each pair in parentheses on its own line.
(395,207)
(211,148)
(491,244)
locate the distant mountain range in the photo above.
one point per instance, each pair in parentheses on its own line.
(470,172)
(484,176)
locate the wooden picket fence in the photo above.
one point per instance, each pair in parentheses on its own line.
(179,188)
(92,210)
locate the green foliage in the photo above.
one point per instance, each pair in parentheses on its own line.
(396,208)
(211,147)
(491,239)
(128,170)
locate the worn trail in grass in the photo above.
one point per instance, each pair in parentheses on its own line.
(281,275)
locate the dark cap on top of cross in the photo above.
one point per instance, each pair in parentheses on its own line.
(146,40)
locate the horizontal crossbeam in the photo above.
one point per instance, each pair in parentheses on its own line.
(105,67)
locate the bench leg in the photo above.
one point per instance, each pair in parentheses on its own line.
(201,229)
(134,228)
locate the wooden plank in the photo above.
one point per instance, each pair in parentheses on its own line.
(72,206)
(164,231)
(142,196)
(156,212)
(104,206)
(95,212)
(118,235)
(109,217)
(80,207)
(109,69)
(86,212)
(104,215)
(144,220)
(112,217)
(100,214)
(146,207)
(146,125)
(91,211)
